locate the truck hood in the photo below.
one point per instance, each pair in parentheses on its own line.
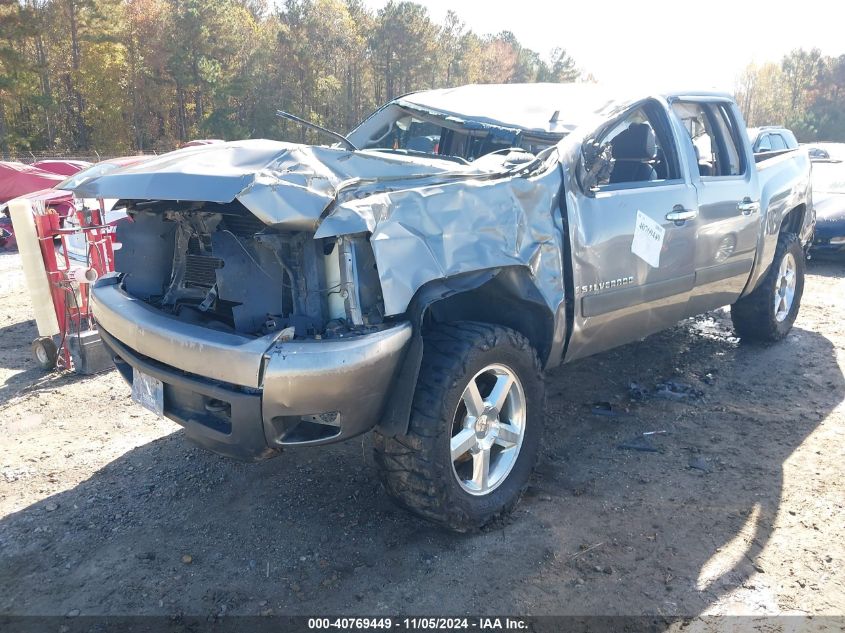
(280,183)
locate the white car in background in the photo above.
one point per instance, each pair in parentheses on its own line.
(76,246)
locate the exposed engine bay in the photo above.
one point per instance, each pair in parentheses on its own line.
(219,266)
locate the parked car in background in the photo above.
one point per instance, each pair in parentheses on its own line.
(829,196)
(61,166)
(201,141)
(771,138)
(61,199)
(276,295)
(822,150)
(817,153)
(61,202)
(76,245)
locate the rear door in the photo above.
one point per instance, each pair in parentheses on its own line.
(728,201)
(632,263)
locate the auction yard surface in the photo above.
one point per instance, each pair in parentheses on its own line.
(105,509)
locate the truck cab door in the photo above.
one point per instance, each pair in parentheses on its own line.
(632,235)
(728,200)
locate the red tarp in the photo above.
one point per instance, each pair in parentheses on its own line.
(63,167)
(17,179)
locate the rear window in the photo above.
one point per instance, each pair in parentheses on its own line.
(715,137)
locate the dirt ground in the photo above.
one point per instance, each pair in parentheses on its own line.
(105,509)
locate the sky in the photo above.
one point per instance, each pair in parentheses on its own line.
(701,44)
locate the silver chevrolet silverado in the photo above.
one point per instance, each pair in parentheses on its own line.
(418,277)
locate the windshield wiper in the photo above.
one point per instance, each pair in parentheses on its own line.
(336,135)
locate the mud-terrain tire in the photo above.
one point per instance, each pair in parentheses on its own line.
(767,314)
(417,468)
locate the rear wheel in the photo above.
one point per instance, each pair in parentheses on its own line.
(767,314)
(474,431)
(45,352)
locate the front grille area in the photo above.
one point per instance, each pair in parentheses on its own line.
(199,271)
(243,225)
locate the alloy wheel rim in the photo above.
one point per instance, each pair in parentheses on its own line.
(785,287)
(487,430)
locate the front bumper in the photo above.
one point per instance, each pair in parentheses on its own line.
(248,397)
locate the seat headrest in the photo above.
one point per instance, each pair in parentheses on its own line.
(635,143)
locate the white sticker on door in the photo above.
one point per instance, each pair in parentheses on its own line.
(648,240)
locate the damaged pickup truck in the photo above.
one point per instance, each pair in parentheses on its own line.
(275,295)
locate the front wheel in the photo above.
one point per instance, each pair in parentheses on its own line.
(474,431)
(767,314)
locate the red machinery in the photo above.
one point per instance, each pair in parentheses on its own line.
(60,286)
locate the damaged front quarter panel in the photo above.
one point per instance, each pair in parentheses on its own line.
(436,231)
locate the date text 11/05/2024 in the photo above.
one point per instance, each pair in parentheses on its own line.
(419,624)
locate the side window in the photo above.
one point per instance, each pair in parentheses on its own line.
(714,136)
(731,161)
(778,143)
(764,144)
(642,148)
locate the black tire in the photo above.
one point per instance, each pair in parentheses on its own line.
(417,469)
(45,352)
(754,316)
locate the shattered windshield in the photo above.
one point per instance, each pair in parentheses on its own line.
(402,130)
(408,132)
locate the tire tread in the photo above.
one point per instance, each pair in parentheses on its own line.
(407,463)
(753,315)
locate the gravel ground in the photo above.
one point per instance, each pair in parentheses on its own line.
(105,509)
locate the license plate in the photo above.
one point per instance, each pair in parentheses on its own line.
(148,391)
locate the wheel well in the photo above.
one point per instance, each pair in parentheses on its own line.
(794,220)
(505,300)
(506,297)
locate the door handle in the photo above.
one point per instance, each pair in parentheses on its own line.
(679,214)
(748,206)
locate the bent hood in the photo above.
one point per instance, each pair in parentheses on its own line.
(280,183)
(428,218)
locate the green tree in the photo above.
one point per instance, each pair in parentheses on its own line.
(128,75)
(761,95)
(800,71)
(11,63)
(562,68)
(403,44)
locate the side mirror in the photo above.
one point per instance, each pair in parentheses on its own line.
(596,164)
